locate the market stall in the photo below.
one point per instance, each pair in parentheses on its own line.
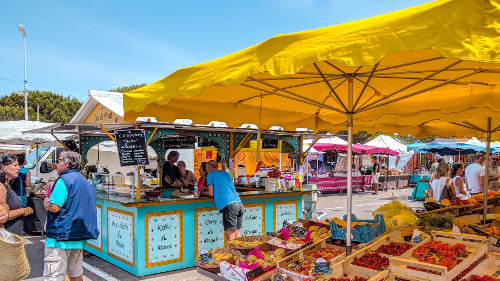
(146,234)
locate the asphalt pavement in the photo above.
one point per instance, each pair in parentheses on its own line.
(97,269)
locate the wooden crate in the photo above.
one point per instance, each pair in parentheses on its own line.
(477,245)
(495,239)
(352,271)
(490,266)
(323,245)
(384,240)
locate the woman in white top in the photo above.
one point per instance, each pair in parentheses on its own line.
(457,170)
(440,181)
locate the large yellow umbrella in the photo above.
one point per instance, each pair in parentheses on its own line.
(330,78)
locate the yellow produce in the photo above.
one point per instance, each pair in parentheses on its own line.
(445,202)
(402,220)
(391,209)
(313,228)
(279,252)
(251,258)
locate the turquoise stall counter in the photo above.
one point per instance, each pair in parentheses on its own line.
(149,237)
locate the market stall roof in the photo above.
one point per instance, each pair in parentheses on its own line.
(388,142)
(95,129)
(17,132)
(356,148)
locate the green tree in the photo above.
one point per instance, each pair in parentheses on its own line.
(125,89)
(53,107)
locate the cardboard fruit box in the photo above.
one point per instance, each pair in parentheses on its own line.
(476,246)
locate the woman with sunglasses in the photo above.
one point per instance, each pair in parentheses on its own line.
(8,197)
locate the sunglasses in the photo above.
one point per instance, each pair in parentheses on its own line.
(495,159)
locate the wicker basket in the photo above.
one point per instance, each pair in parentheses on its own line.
(252,238)
(465,210)
(454,210)
(214,268)
(480,210)
(14,263)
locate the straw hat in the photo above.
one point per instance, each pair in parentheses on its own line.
(13,263)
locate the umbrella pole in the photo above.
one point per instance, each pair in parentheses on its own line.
(349,165)
(487,171)
(36,164)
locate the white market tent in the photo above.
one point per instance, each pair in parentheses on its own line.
(15,132)
(388,142)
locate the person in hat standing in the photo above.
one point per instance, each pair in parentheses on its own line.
(376,174)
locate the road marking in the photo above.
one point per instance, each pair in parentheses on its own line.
(98,272)
(343,207)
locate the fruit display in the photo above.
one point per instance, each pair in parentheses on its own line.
(257,258)
(440,253)
(314,233)
(467,270)
(345,277)
(274,173)
(301,266)
(372,261)
(394,249)
(217,258)
(481,278)
(492,230)
(326,254)
(251,244)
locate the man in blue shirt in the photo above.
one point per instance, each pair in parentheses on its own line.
(71,220)
(221,188)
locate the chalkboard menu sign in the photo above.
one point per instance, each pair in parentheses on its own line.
(204,141)
(179,142)
(270,143)
(132,149)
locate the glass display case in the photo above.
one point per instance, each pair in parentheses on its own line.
(116,187)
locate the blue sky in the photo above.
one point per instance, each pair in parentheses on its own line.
(76,46)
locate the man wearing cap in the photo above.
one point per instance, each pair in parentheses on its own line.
(376,174)
(494,175)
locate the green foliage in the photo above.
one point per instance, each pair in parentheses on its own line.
(53,107)
(127,88)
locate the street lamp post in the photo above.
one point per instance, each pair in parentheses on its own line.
(23,31)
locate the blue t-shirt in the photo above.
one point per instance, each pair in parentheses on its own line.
(58,196)
(224,191)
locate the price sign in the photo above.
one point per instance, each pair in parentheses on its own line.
(322,267)
(120,235)
(206,257)
(253,218)
(179,142)
(209,230)
(270,143)
(299,232)
(164,237)
(131,146)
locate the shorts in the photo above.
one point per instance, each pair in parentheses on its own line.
(61,262)
(375,178)
(232,216)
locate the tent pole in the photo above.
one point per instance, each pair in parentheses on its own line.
(349,164)
(487,170)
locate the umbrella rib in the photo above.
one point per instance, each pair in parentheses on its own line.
(314,103)
(433,79)
(409,86)
(330,86)
(368,107)
(408,63)
(471,125)
(365,85)
(468,127)
(496,129)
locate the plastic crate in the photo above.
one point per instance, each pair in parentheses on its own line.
(362,233)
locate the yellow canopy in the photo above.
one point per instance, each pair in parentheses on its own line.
(302,79)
